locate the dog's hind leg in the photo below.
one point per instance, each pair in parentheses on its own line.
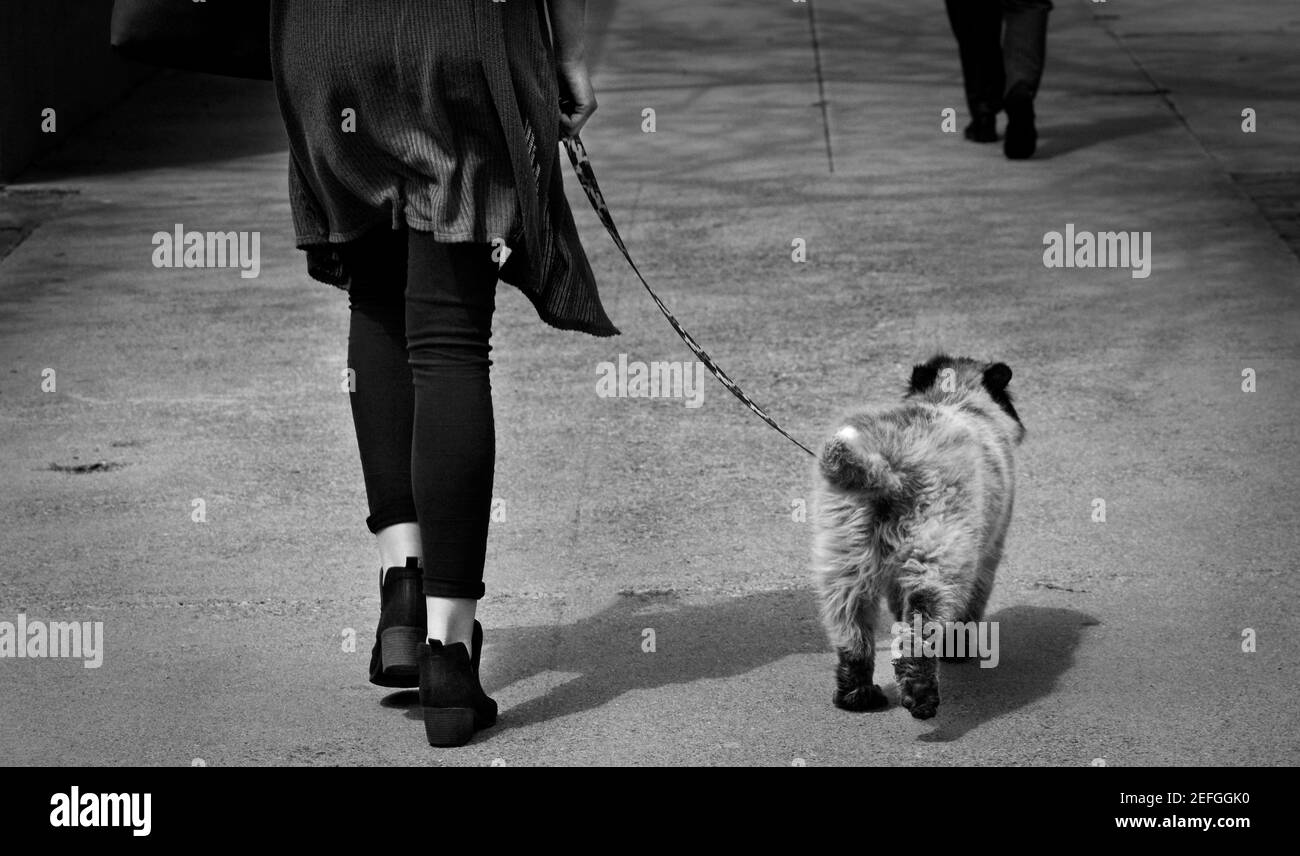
(925,600)
(978,599)
(842,563)
(982,585)
(855,688)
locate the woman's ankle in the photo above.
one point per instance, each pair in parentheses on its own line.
(451,620)
(397,543)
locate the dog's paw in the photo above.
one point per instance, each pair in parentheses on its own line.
(869,697)
(921,697)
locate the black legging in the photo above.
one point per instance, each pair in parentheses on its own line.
(422,402)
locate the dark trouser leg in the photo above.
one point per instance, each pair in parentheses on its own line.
(977,24)
(1024,45)
(450,298)
(383,399)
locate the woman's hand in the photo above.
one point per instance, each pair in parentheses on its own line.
(577,98)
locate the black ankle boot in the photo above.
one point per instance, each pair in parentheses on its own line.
(1022,137)
(403,624)
(453,700)
(983,128)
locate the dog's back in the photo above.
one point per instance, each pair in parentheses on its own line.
(925,475)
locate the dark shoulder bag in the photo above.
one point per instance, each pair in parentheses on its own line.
(226,37)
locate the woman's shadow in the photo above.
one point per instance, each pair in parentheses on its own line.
(609,654)
(641,642)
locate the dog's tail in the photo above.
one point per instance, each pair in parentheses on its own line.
(848,464)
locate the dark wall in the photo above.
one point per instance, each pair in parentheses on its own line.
(54,53)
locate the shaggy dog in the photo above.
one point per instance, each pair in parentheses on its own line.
(912,505)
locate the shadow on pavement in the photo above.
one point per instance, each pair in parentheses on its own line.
(1036,646)
(173,119)
(722,640)
(1057,140)
(692,643)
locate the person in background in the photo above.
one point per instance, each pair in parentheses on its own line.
(1003,44)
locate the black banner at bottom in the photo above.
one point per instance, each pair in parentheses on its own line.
(208,806)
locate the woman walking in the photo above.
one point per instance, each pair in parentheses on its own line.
(424,165)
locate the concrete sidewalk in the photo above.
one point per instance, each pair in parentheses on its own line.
(1120,640)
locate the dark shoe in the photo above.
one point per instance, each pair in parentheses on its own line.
(1022,137)
(983,128)
(453,700)
(403,624)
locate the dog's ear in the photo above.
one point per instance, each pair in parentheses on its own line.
(996,377)
(924,376)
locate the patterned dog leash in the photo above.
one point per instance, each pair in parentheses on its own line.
(587,178)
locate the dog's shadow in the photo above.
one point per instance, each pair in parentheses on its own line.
(1036,646)
(605,655)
